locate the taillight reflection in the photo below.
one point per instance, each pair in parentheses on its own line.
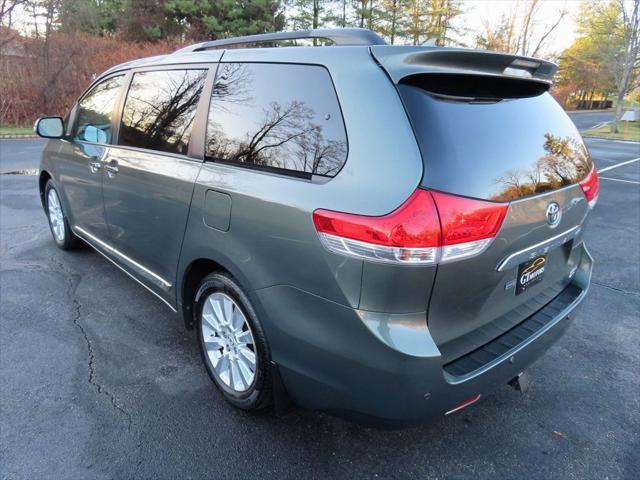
(591,187)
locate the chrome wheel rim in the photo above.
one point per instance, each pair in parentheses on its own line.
(56,218)
(228,342)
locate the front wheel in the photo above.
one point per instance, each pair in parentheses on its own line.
(232,343)
(62,234)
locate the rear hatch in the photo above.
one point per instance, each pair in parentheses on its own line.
(488,129)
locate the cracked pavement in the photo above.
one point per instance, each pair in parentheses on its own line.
(73,280)
(98,380)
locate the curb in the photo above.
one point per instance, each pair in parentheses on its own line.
(26,135)
(610,139)
(590,111)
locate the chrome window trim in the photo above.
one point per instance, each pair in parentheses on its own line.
(148,151)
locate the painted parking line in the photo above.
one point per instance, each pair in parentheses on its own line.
(619,180)
(621,164)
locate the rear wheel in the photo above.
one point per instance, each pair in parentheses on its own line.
(232,343)
(62,234)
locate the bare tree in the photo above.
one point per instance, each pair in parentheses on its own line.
(520,31)
(625,70)
(7,8)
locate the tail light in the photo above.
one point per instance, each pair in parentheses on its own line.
(468,225)
(591,187)
(429,228)
(410,234)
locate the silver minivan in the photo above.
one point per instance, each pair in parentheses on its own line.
(382,232)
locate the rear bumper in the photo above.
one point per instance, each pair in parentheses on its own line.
(386,368)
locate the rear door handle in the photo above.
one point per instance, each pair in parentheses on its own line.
(95,166)
(111,168)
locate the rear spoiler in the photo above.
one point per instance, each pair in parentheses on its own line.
(400,62)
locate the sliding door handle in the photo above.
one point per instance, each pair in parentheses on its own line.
(95,166)
(111,168)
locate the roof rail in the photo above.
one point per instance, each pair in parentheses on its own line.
(339,36)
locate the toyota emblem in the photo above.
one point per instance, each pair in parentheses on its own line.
(553,214)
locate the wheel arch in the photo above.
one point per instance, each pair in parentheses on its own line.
(196,269)
(42,183)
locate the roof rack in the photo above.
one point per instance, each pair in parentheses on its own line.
(339,36)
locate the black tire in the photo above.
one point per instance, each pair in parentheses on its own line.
(258,395)
(70,240)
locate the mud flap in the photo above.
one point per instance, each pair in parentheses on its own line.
(282,403)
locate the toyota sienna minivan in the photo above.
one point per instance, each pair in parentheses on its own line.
(383,232)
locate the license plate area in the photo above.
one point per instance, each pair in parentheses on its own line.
(530,273)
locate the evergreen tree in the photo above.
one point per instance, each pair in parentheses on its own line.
(95,17)
(201,19)
(431,20)
(305,14)
(394,19)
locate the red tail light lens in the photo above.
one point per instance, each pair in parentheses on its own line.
(413,224)
(591,187)
(430,227)
(468,225)
(409,234)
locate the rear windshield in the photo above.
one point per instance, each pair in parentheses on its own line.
(495,149)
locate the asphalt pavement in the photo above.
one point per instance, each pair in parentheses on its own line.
(18,154)
(99,381)
(585,120)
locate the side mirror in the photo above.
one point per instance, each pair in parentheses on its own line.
(49,127)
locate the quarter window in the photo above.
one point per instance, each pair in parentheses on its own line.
(95,111)
(160,109)
(276,116)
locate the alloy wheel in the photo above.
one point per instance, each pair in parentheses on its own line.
(228,342)
(56,218)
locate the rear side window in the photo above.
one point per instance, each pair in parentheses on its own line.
(276,117)
(160,108)
(95,112)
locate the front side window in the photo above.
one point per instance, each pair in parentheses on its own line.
(276,116)
(160,109)
(95,112)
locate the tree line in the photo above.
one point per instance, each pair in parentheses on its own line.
(398,21)
(404,21)
(51,49)
(56,46)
